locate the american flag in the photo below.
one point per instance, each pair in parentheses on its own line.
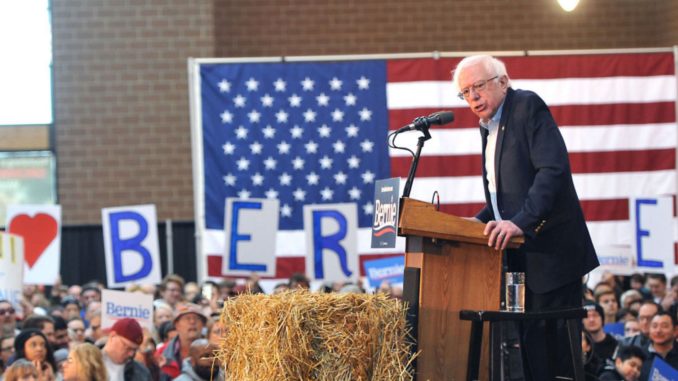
(315,132)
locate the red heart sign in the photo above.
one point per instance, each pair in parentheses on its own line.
(38,232)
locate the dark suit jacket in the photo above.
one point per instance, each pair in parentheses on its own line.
(535,191)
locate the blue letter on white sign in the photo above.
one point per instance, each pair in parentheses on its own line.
(235,237)
(330,242)
(131,244)
(640,233)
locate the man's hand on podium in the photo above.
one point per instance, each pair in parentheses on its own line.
(500,233)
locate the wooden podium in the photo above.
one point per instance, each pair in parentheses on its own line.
(458,271)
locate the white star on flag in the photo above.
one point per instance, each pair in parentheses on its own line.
(252,84)
(279,85)
(307,84)
(224,86)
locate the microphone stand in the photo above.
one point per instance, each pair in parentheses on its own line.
(415,161)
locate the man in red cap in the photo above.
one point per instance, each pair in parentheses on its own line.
(123,341)
(189,322)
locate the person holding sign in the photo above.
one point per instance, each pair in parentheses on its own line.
(529,192)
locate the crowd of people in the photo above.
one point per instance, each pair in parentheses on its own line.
(647,308)
(58,334)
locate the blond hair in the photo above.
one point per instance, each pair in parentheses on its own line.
(19,369)
(89,362)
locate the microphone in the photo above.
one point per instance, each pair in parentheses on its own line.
(438,118)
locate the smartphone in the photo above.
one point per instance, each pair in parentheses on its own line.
(207,290)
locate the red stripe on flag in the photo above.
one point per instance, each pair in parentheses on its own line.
(570,115)
(580,162)
(544,67)
(286,266)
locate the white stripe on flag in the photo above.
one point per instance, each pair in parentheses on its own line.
(562,91)
(590,186)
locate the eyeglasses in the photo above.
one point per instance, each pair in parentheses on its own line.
(477,87)
(7,311)
(7,349)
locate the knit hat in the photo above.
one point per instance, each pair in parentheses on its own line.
(129,329)
(595,306)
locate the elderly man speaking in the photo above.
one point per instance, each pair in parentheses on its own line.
(529,192)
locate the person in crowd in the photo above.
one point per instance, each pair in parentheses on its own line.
(631,300)
(637,282)
(161,313)
(592,363)
(662,343)
(631,328)
(61,339)
(94,332)
(7,318)
(199,365)
(529,192)
(91,292)
(623,315)
(76,331)
(226,289)
(656,283)
(123,341)
(6,350)
(215,331)
(604,344)
(24,370)
(145,355)
(32,345)
(85,362)
(75,290)
(43,323)
(71,308)
(189,322)
(191,290)
(608,300)
(280,288)
(60,357)
(172,290)
(646,312)
(627,365)
(299,280)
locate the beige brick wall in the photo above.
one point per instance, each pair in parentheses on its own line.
(121,100)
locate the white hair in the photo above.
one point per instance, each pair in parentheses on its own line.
(491,64)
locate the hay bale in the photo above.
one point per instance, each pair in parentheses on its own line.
(299,335)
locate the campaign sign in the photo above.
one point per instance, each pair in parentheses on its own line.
(11,269)
(40,227)
(389,269)
(118,304)
(614,329)
(652,233)
(131,244)
(385,223)
(331,241)
(661,371)
(251,227)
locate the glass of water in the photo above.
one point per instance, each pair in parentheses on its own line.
(515,292)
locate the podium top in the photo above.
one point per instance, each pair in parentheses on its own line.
(418,218)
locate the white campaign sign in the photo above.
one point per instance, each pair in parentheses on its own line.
(251,227)
(131,244)
(652,233)
(331,241)
(118,304)
(11,269)
(40,226)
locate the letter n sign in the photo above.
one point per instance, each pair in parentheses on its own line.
(652,238)
(131,244)
(331,241)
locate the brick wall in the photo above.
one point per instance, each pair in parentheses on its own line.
(121,102)
(273,27)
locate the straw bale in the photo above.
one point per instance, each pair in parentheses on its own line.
(299,335)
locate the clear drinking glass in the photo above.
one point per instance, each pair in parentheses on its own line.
(515,292)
